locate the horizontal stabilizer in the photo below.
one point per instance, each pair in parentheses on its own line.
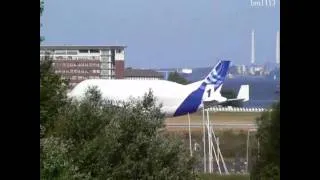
(243,96)
(244,93)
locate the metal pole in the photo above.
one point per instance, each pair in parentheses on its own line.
(247,150)
(217,147)
(204,141)
(258,149)
(190,136)
(212,146)
(209,143)
(219,153)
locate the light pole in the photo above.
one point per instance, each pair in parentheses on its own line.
(247,162)
(190,136)
(204,141)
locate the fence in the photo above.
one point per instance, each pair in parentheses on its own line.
(236,109)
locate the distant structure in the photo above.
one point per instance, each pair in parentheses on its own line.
(181,71)
(186,71)
(77,63)
(142,74)
(278,48)
(252,48)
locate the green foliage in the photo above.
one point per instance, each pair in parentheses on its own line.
(53,90)
(175,77)
(41,7)
(110,142)
(41,11)
(267,165)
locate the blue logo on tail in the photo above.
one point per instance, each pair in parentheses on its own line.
(218,74)
(215,77)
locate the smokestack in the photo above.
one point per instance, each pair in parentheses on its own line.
(278,48)
(252,48)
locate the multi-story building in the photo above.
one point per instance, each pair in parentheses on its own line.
(77,63)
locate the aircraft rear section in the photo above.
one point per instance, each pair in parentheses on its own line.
(192,102)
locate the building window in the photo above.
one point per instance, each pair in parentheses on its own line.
(119,50)
(104,52)
(104,65)
(104,58)
(94,51)
(104,72)
(83,51)
(72,52)
(60,52)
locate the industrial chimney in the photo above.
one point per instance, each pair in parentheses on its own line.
(252,48)
(278,48)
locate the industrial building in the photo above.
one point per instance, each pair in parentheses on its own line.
(77,63)
(142,74)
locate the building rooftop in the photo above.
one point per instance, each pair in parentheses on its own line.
(77,47)
(142,73)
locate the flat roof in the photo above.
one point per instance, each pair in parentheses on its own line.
(141,73)
(77,47)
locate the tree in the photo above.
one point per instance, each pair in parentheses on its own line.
(41,11)
(53,93)
(267,165)
(53,90)
(95,139)
(175,77)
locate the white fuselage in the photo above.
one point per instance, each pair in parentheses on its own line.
(169,94)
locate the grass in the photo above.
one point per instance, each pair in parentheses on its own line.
(223,177)
(232,143)
(217,117)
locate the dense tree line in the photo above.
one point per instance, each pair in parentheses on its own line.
(97,139)
(267,162)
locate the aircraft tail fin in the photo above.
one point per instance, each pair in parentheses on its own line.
(218,74)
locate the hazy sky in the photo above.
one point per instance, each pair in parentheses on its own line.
(166,33)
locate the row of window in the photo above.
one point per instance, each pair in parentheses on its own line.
(74,52)
(81,51)
(65,71)
(76,58)
(74,78)
(77,64)
(79,58)
(142,78)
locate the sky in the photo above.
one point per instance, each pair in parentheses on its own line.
(166,33)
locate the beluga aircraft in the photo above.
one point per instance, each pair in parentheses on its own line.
(175,99)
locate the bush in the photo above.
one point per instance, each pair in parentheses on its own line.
(267,165)
(94,138)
